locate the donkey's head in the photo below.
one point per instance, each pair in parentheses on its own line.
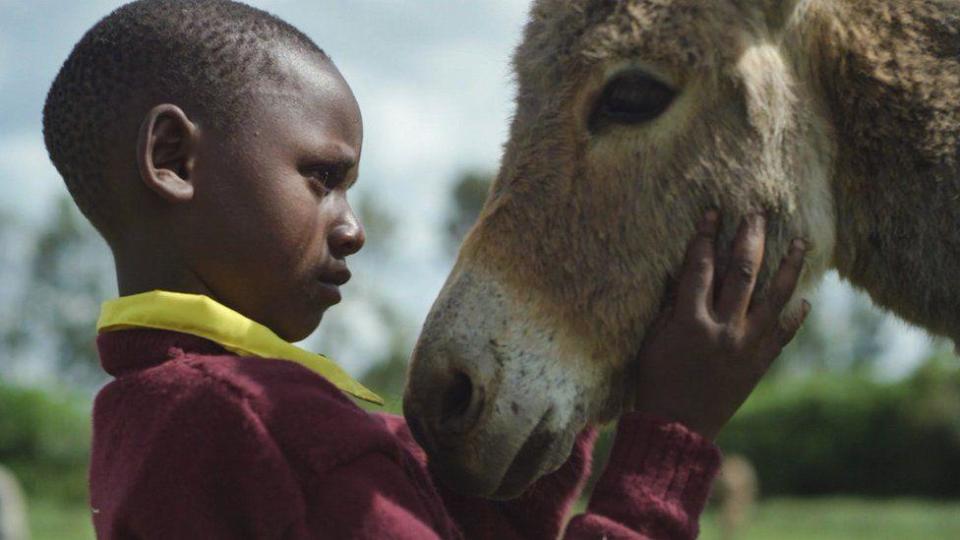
(633,117)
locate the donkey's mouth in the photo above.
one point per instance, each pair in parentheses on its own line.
(530,463)
(462,474)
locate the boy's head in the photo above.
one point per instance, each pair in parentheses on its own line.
(212,145)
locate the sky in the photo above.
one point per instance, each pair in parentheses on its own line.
(433,81)
(434,87)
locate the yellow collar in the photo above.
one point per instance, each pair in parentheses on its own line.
(203,317)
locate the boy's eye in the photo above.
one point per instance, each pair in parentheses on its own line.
(326,178)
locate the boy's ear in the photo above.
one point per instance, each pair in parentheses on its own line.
(165,152)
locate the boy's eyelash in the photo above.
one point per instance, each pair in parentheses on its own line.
(322,175)
(327,177)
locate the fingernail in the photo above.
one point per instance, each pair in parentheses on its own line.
(711,215)
(799,244)
(756,219)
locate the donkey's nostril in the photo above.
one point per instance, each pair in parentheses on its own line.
(459,403)
(456,399)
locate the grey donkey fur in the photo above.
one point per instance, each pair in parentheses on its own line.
(839,119)
(890,75)
(777,99)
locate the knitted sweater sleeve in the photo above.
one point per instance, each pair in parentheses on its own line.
(541,512)
(655,485)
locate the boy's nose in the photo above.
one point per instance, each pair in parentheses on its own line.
(347,239)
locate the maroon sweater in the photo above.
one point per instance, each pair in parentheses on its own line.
(191,441)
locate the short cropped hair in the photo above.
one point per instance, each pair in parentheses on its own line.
(201,54)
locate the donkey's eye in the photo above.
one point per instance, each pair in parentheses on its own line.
(629,99)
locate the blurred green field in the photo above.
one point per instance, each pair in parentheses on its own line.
(51,519)
(776,519)
(846,519)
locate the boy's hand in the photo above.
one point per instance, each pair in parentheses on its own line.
(709,349)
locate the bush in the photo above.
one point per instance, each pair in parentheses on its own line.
(45,441)
(835,434)
(846,434)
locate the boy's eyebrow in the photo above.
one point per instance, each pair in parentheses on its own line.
(344,160)
(336,155)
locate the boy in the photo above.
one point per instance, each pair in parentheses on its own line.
(212,145)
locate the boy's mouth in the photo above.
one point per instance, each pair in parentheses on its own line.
(335,276)
(329,293)
(330,282)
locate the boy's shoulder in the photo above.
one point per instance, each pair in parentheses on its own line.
(244,380)
(299,411)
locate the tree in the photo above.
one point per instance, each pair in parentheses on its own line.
(388,375)
(70,273)
(467,198)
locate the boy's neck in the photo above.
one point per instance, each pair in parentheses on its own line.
(142,270)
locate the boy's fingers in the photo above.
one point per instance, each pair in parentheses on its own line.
(696,280)
(789,329)
(741,275)
(785,332)
(781,288)
(669,302)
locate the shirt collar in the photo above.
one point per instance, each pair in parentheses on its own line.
(206,318)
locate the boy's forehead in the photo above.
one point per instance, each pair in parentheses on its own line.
(306,88)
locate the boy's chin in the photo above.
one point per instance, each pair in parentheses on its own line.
(303,318)
(298,330)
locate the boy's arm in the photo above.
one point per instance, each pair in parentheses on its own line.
(655,485)
(540,513)
(374,497)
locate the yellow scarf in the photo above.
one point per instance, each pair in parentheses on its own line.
(203,317)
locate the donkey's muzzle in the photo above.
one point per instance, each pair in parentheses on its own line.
(443,409)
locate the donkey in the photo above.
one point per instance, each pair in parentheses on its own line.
(839,119)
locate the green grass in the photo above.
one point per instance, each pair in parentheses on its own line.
(775,519)
(54,520)
(846,519)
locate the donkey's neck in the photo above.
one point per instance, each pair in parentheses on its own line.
(890,75)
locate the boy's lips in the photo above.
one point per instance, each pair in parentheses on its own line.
(330,282)
(330,293)
(336,276)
